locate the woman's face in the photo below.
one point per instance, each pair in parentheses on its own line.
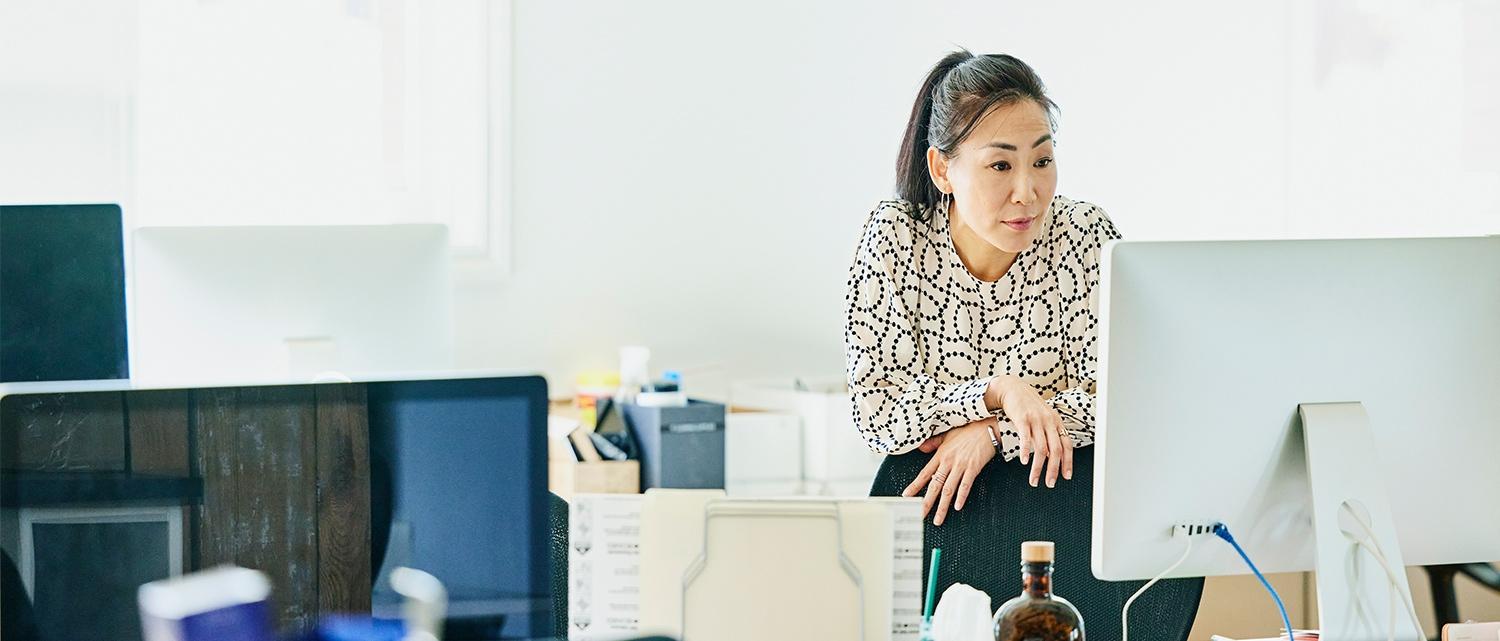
(1002,177)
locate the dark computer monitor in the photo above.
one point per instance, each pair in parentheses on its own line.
(468,479)
(322,487)
(62,293)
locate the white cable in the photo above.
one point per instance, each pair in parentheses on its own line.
(1356,590)
(1351,585)
(1390,608)
(1125,613)
(1372,545)
(1394,585)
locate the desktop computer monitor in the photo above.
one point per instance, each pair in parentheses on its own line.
(325,488)
(255,304)
(1264,384)
(62,293)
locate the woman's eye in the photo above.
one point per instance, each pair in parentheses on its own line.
(1000,166)
(1043,162)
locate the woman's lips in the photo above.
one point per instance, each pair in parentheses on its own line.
(1020,224)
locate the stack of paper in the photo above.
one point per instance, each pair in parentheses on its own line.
(604,566)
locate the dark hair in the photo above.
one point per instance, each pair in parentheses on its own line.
(958,91)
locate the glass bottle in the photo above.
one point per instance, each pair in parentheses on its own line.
(1037,614)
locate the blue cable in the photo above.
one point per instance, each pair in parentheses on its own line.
(1222,531)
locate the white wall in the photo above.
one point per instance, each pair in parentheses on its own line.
(692,176)
(239,112)
(66,67)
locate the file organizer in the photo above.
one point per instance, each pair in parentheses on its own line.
(715,568)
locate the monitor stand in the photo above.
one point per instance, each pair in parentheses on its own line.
(1343,471)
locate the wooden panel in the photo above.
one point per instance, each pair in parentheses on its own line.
(158,423)
(257,454)
(57,432)
(214,461)
(286,476)
(189,535)
(343,499)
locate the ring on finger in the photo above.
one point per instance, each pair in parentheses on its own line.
(939,477)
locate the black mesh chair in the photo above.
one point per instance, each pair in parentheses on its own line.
(1445,597)
(557,517)
(982,546)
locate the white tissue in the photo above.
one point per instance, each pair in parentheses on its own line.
(963,614)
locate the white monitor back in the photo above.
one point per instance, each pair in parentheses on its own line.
(268,304)
(1206,350)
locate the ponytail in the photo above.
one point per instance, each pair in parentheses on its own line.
(913,182)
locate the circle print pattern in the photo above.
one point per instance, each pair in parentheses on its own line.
(923,336)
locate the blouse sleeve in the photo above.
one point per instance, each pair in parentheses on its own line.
(897,405)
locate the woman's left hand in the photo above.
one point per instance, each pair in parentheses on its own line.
(961,455)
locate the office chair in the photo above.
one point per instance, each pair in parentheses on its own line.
(557,516)
(1445,597)
(982,546)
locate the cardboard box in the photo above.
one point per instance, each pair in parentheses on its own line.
(568,478)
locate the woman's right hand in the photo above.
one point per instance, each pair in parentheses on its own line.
(1038,425)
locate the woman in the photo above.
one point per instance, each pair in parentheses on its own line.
(972,301)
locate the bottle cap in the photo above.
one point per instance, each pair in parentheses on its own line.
(1037,552)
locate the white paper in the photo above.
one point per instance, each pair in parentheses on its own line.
(906,571)
(604,566)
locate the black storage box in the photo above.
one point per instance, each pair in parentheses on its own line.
(681,447)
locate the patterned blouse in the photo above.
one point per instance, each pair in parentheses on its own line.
(923,336)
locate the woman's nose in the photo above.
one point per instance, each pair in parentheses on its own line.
(1022,191)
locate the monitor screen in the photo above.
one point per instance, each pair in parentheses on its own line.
(324,488)
(62,293)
